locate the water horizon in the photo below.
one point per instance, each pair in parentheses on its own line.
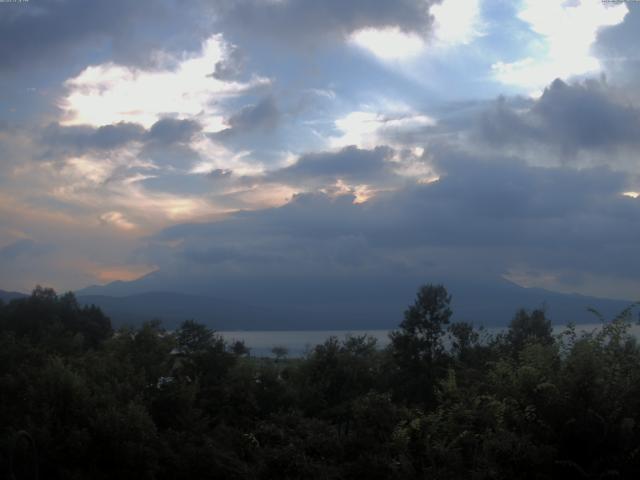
(299,342)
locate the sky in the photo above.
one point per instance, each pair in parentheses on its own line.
(287,139)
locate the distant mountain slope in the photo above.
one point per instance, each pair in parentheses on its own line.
(173,308)
(8,296)
(361,305)
(486,303)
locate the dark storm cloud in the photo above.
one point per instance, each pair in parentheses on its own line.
(165,142)
(572,117)
(500,123)
(617,47)
(347,168)
(171,130)
(168,142)
(495,213)
(351,164)
(262,117)
(47,31)
(585,116)
(83,137)
(312,19)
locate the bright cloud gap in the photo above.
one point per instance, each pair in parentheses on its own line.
(565,34)
(388,44)
(110,93)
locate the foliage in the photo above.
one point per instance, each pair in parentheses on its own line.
(443,401)
(418,349)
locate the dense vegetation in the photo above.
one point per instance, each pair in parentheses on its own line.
(444,400)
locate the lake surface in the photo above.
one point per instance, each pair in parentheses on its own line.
(298,342)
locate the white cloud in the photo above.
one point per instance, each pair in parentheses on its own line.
(367,129)
(357,128)
(111,93)
(457,21)
(389,43)
(117,219)
(566,32)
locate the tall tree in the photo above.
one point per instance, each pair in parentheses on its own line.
(417,348)
(527,327)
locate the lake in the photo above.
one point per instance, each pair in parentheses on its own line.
(298,342)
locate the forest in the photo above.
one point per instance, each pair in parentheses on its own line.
(444,400)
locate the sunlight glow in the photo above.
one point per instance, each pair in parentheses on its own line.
(388,44)
(111,93)
(127,273)
(120,197)
(457,21)
(118,220)
(567,30)
(216,156)
(361,193)
(266,196)
(88,169)
(428,180)
(366,129)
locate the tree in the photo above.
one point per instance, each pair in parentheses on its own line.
(280,352)
(417,348)
(420,334)
(193,337)
(463,338)
(528,327)
(204,358)
(240,349)
(58,321)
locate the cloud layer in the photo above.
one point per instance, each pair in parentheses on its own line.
(483,216)
(296,139)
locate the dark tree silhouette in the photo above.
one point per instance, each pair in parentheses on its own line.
(417,347)
(529,327)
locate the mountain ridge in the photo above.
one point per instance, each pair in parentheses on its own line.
(491,304)
(374,306)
